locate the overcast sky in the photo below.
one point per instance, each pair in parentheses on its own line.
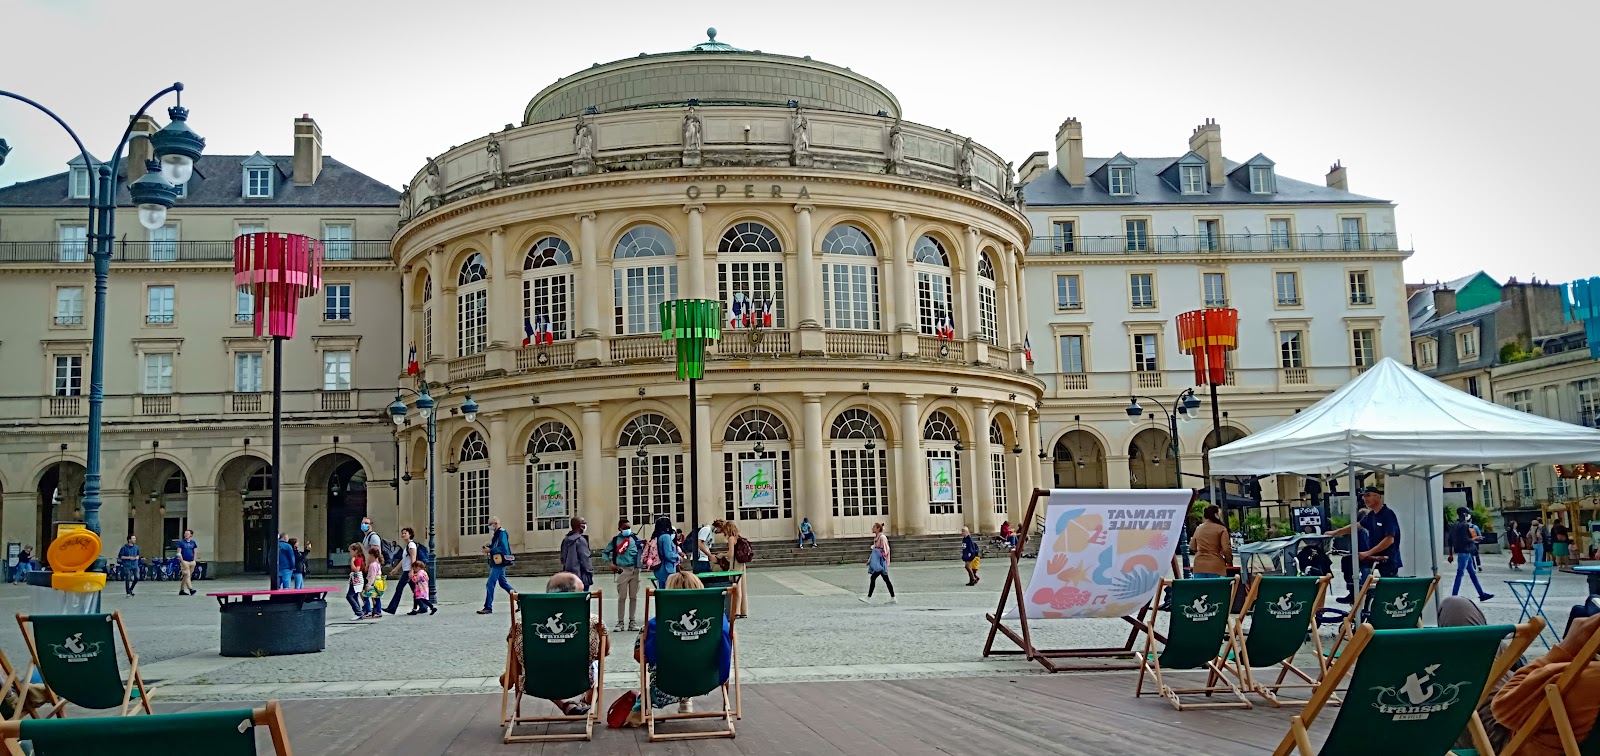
(1469,115)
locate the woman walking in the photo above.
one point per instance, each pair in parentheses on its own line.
(373,596)
(1211,545)
(1514,541)
(666,546)
(878,565)
(741,602)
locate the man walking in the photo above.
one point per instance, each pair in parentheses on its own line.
(128,556)
(1464,543)
(286,559)
(623,553)
(499,551)
(186,550)
(575,555)
(402,568)
(369,537)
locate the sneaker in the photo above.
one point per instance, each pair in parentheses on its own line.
(413,612)
(432,610)
(686,706)
(486,611)
(1345,599)
(577,709)
(357,618)
(1485,596)
(864,599)
(893,600)
(619,627)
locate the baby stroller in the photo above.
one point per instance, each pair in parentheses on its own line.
(1300,554)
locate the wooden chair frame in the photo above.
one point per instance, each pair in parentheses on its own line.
(59,705)
(731,709)
(270,716)
(1554,707)
(1239,658)
(596,688)
(13,683)
(1347,627)
(1149,662)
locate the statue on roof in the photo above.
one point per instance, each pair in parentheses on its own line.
(693,130)
(800,137)
(430,179)
(497,167)
(964,163)
(583,139)
(1006,179)
(405,202)
(897,148)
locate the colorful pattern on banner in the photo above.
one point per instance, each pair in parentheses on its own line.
(552,496)
(941,480)
(1103,552)
(757,487)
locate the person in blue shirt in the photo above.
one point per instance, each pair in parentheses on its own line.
(666,549)
(286,559)
(1378,542)
(807,533)
(186,557)
(128,557)
(499,551)
(969,556)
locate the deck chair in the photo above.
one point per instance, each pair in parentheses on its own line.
(1413,691)
(689,657)
(1530,594)
(79,662)
(555,646)
(1282,612)
(1195,634)
(14,702)
(1394,603)
(1554,707)
(215,733)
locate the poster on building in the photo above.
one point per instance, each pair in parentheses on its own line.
(552,495)
(757,483)
(942,480)
(1103,552)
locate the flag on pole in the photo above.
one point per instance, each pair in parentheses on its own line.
(748,316)
(547,333)
(412,368)
(735,309)
(527,332)
(1027,348)
(945,328)
(766,314)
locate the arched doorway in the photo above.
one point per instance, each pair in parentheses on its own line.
(1079,461)
(650,461)
(1150,463)
(551,483)
(158,506)
(1000,470)
(336,486)
(941,443)
(860,473)
(757,481)
(60,497)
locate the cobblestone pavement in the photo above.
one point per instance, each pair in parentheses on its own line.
(805,624)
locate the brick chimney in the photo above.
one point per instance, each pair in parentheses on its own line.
(1337,178)
(1444,302)
(1037,163)
(307,150)
(139,149)
(1206,141)
(1069,151)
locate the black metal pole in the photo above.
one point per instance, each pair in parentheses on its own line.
(1177,469)
(694,473)
(277,459)
(1216,427)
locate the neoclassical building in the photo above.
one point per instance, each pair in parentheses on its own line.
(877,361)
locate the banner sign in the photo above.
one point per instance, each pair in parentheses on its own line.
(1103,552)
(942,480)
(758,483)
(551,500)
(1308,519)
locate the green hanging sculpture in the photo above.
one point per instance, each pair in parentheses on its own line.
(694,323)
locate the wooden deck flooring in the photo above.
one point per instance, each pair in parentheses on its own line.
(1073,714)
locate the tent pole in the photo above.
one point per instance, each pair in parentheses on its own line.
(1355,537)
(1433,540)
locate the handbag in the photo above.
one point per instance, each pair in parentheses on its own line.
(617,715)
(497,559)
(380,584)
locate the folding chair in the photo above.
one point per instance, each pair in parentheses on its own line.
(1282,612)
(1195,634)
(214,733)
(1393,603)
(1554,707)
(79,665)
(14,702)
(555,643)
(685,644)
(1530,594)
(1413,691)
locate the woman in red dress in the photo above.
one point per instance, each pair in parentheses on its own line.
(1514,542)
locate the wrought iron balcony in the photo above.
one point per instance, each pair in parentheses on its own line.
(1143,244)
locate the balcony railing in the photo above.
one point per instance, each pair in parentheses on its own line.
(64,406)
(244,403)
(1296,376)
(856,344)
(155,404)
(1149,380)
(938,350)
(1000,357)
(559,354)
(1557,495)
(218,251)
(1075,381)
(753,343)
(69,320)
(639,348)
(468,368)
(154,319)
(1122,244)
(337,400)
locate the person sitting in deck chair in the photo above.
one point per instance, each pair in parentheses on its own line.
(1522,694)
(599,644)
(644,647)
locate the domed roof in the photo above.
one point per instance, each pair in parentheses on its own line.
(712,45)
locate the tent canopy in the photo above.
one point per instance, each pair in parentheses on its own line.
(1393,416)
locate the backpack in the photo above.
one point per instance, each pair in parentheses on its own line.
(651,558)
(422,552)
(390,551)
(743,552)
(625,551)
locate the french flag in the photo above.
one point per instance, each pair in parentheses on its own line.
(1027,348)
(946,328)
(547,333)
(766,314)
(527,332)
(412,368)
(748,315)
(736,309)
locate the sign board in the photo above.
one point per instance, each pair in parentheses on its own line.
(551,498)
(1103,551)
(1308,520)
(758,483)
(942,480)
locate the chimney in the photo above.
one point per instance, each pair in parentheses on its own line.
(1037,163)
(1337,178)
(139,149)
(1069,151)
(1206,141)
(1444,302)
(307,150)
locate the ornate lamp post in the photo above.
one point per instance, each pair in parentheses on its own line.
(1183,406)
(425,408)
(693,323)
(176,148)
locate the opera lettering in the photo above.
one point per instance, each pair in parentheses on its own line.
(746,191)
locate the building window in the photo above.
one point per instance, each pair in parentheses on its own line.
(337,241)
(336,298)
(1138,232)
(1588,391)
(1069,292)
(69,306)
(69,375)
(474,470)
(997,466)
(1281,239)
(1194,179)
(859,468)
(1427,353)
(1364,347)
(1072,354)
(336,371)
(427,316)
(163,305)
(1288,288)
(939,439)
(849,280)
(1141,291)
(1473,387)
(1260,179)
(1467,343)
(547,277)
(988,313)
(1210,235)
(556,450)
(643,276)
(750,263)
(472,306)
(164,243)
(247,372)
(1215,289)
(1521,401)
(1350,231)
(244,308)
(258,182)
(1063,236)
(158,373)
(1290,350)
(251,228)
(935,301)
(1146,355)
(78,185)
(1360,291)
(743,432)
(1121,181)
(653,485)
(74,246)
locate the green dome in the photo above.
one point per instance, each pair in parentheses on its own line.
(712,45)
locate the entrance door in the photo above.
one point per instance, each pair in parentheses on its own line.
(257,534)
(860,488)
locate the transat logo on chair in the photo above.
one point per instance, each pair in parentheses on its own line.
(74,650)
(1201,609)
(1419,696)
(1399,607)
(1285,607)
(689,627)
(556,631)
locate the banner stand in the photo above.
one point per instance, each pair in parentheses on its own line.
(1024,639)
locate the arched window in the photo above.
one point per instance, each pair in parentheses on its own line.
(650,485)
(750,266)
(849,279)
(643,275)
(550,472)
(988,314)
(940,439)
(427,316)
(859,471)
(472,306)
(856,424)
(547,289)
(935,301)
(997,467)
(939,427)
(755,484)
(474,482)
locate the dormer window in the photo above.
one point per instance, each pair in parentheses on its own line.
(1120,180)
(1261,179)
(258,182)
(78,184)
(1194,179)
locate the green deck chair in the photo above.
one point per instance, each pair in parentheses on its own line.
(1195,635)
(77,658)
(214,733)
(1394,603)
(555,647)
(1282,612)
(688,641)
(1413,691)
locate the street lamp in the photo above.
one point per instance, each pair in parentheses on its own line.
(176,146)
(1183,406)
(425,408)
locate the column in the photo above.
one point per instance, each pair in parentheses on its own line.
(203,521)
(591,467)
(1028,466)
(814,488)
(505,303)
(1020,291)
(506,498)
(982,520)
(589,310)
(912,500)
(697,252)
(969,285)
(709,504)
(806,290)
(1004,299)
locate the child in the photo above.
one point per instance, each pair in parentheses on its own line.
(372,598)
(419,589)
(969,556)
(358,580)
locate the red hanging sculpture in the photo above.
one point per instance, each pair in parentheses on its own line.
(277,271)
(1208,335)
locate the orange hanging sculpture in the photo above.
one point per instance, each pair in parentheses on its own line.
(1208,335)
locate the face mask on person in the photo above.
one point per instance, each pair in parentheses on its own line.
(365,527)
(583,529)
(627,531)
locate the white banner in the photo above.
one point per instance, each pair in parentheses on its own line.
(942,480)
(1103,552)
(551,498)
(758,479)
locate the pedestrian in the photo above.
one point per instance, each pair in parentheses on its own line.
(969,556)
(663,541)
(419,589)
(575,555)
(1514,542)
(1477,538)
(369,536)
(807,533)
(24,564)
(186,559)
(1463,543)
(285,563)
(704,540)
(297,579)
(372,604)
(1560,540)
(499,551)
(624,552)
(128,556)
(737,547)
(357,580)
(1536,536)
(878,565)
(402,567)
(1211,545)
(1383,530)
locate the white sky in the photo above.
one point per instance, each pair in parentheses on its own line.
(1469,115)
